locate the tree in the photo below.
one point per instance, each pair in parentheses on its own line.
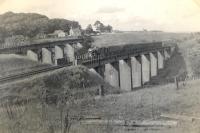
(109,28)
(2,34)
(97,23)
(101,27)
(89,29)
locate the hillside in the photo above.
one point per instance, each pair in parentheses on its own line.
(65,79)
(31,24)
(136,37)
(55,91)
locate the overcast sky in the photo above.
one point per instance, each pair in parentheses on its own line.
(166,15)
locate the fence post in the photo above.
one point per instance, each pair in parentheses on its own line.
(75,62)
(101,91)
(176,82)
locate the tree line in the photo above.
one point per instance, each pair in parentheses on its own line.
(31,24)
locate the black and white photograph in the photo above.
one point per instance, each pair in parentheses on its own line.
(99,66)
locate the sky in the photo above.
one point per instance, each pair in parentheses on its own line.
(127,15)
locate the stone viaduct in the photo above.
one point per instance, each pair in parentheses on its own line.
(47,52)
(126,70)
(132,70)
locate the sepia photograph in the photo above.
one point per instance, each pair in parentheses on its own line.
(99,66)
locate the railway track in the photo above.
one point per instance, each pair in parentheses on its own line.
(30,73)
(23,75)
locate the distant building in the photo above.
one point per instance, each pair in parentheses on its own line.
(60,33)
(74,32)
(57,34)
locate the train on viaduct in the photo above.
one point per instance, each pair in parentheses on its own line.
(127,67)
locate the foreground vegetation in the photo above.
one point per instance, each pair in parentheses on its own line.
(49,102)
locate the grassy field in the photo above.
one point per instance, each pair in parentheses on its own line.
(149,104)
(143,104)
(135,37)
